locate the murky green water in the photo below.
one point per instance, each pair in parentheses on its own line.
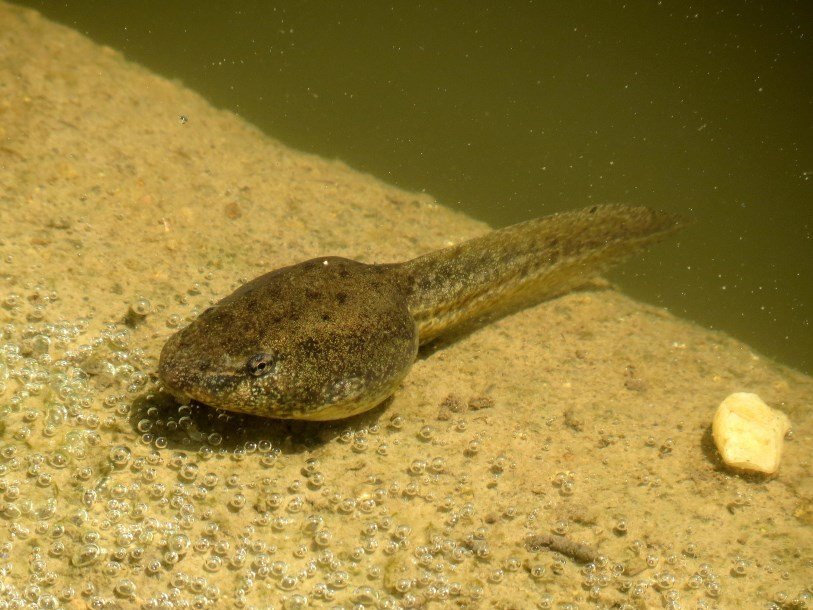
(510,112)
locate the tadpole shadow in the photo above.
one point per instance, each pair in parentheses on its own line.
(190,427)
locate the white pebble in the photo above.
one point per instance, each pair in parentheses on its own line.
(749,434)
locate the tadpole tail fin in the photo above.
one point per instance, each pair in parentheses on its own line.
(530,261)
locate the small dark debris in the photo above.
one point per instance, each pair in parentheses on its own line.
(576,551)
(632,382)
(573,420)
(61,223)
(579,513)
(451,404)
(480,402)
(635,566)
(233,210)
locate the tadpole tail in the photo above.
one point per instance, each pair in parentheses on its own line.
(529,262)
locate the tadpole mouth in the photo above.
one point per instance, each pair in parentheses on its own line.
(194,383)
(172,378)
(181,373)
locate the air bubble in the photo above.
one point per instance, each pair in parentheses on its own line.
(141,307)
(188,472)
(417,467)
(87,555)
(120,456)
(426,433)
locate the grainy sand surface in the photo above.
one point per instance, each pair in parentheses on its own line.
(586,417)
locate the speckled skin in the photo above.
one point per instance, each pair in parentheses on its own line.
(331,337)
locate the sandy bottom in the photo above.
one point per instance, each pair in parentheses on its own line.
(581,424)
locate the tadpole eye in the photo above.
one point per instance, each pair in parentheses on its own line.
(261,364)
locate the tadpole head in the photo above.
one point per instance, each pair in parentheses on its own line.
(324,339)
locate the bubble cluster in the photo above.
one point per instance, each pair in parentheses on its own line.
(112,494)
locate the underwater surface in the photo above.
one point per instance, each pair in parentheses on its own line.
(559,457)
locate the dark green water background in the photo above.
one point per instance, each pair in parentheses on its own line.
(512,110)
